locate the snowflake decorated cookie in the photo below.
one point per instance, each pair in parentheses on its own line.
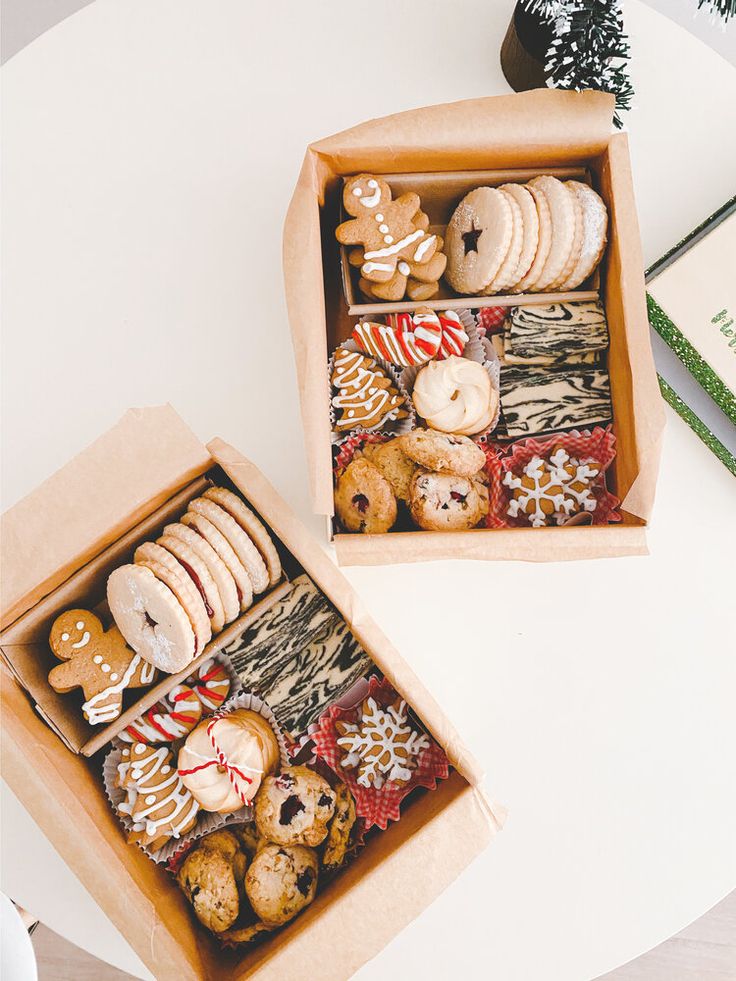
(552,491)
(378,751)
(381,745)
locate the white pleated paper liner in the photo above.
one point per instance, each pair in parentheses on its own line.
(207,821)
(480,351)
(396,427)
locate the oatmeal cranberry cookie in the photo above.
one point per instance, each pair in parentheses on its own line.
(364,500)
(212,879)
(443,452)
(281,881)
(446,502)
(295,807)
(394,464)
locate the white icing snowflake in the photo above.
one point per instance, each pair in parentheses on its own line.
(554,483)
(381,744)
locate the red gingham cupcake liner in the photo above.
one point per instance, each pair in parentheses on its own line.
(598,446)
(376,806)
(490,319)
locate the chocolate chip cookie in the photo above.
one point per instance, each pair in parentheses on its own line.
(281,881)
(443,452)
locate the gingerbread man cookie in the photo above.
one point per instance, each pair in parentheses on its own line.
(96,660)
(386,229)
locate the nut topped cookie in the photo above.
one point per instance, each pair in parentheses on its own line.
(394,464)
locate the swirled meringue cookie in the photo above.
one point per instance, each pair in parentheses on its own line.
(455,396)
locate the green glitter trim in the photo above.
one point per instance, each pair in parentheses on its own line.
(698,368)
(697,425)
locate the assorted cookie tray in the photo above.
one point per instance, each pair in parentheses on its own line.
(433,409)
(483,260)
(244,741)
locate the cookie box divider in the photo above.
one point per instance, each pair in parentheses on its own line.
(539,130)
(440,194)
(64,793)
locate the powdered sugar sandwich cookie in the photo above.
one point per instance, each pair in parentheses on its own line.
(199,576)
(544,236)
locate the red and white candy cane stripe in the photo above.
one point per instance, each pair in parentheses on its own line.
(233,772)
(167,720)
(454,337)
(211,684)
(405,340)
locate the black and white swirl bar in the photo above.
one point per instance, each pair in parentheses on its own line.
(544,400)
(557,330)
(299,656)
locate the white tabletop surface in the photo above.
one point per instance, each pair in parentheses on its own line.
(150,150)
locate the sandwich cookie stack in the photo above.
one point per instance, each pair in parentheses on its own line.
(545,236)
(199,576)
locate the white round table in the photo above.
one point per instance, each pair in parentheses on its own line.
(149,156)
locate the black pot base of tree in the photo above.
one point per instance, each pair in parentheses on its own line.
(524,49)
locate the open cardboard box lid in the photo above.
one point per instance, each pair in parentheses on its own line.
(91,501)
(541,128)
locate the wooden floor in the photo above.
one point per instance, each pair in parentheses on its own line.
(704,951)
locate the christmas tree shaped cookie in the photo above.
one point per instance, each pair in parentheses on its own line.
(367,397)
(158,803)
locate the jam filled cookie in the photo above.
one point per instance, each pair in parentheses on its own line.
(364,500)
(440,451)
(151,618)
(446,502)
(295,807)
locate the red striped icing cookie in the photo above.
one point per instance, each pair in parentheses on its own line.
(407,339)
(167,720)
(454,337)
(211,684)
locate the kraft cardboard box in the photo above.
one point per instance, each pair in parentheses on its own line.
(442,151)
(58,545)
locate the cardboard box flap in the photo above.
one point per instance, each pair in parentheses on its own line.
(484,133)
(91,501)
(541,127)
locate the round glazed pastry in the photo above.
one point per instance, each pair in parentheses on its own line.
(281,881)
(478,239)
(364,500)
(440,451)
(224,760)
(455,396)
(446,502)
(295,807)
(150,617)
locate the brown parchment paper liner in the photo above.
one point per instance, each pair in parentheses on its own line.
(207,821)
(476,351)
(539,128)
(395,428)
